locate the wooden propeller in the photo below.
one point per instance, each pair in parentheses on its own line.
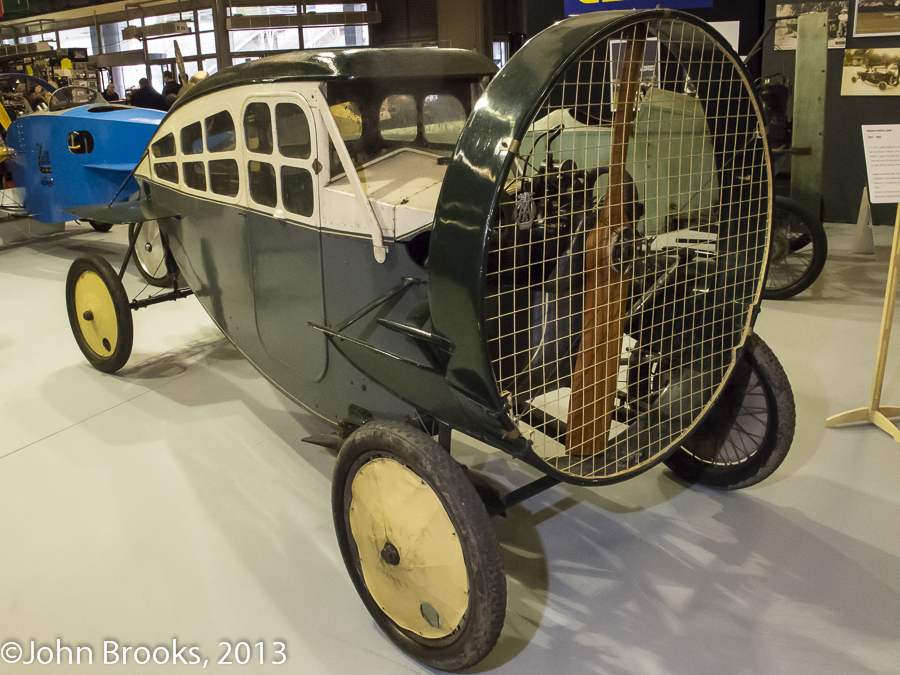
(605,301)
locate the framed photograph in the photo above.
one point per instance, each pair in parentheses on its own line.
(786,29)
(871,72)
(649,65)
(876,17)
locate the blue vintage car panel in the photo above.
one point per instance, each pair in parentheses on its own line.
(77,156)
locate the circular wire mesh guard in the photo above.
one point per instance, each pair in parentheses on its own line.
(627,253)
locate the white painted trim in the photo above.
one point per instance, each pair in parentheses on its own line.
(379,249)
(366,217)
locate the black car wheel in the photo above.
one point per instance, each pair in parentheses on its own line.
(798,250)
(748,432)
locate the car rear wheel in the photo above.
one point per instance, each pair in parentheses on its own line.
(748,431)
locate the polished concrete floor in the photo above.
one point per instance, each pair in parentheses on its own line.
(175,501)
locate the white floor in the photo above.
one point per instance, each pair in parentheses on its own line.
(176,501)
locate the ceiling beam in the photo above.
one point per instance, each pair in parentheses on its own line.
(116,11)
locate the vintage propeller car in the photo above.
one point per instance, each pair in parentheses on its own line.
(403,253)
(880,76)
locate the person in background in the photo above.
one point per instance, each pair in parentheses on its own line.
(36,98)
(110,94)
(147,97)
(170,86)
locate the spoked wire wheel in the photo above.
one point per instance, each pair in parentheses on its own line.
(748,431)
(798,251)
(99,313)
(152,255)
(418,545)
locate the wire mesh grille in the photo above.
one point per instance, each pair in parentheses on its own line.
(628,249)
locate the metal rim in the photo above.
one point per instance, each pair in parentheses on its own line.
(96,314)
(753,424)
(406,547)
(791,251)
(150,250)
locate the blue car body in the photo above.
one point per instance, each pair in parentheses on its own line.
(78,156)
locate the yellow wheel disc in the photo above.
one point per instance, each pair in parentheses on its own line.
(409,551)
(96,313)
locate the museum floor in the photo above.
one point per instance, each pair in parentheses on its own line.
(176,501)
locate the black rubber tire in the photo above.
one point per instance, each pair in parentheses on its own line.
(164,273)
(748,432)
(853,79)
(115,357)
(894,81)
(798,251)
(100,227)
(882,86)
(483,620)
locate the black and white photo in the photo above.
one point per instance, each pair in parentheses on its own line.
(786,28)
(871,72)
(876,17)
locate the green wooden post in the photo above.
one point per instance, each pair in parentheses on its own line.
(809,111)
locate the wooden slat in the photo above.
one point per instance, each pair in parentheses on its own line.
(605,300)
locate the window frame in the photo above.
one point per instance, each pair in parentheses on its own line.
(236,106)
(278,160)
(180,121)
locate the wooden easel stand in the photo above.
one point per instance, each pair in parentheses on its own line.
(876,413)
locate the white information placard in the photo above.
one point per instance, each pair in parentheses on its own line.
(882,142)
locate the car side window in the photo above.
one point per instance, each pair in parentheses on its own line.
(444,118)
(261,178)
(164,147)
(167,171)
(293,131)
(194,175)
(397,118)
(223,177)
(297,192)
(220,135)
(348,118)
(258,128)
(192,139)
